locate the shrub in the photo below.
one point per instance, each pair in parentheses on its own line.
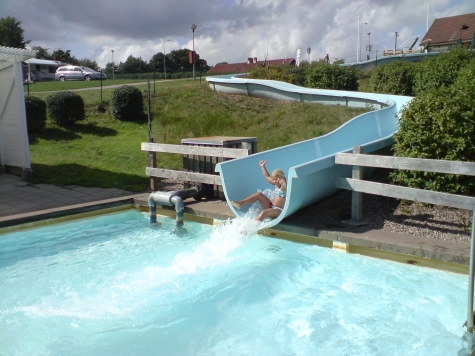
(127,103)
(65,108)
(394,78)
(439,124)
(35,114)
(331,76)
(283,73)
(441,70)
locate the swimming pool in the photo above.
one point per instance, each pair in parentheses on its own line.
(115,285)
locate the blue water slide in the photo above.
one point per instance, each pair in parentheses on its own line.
(309,165)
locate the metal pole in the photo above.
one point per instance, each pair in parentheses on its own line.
(395,42)
(193,27)
(112,63)
(194,58)
(471,278)
(164,59)
(101,86)
(358,42)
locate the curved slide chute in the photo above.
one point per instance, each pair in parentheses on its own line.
(309,165)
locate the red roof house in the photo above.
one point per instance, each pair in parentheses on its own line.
(445,32)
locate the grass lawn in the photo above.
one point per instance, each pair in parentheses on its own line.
(102,151)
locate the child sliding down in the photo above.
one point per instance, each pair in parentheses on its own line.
(272,209)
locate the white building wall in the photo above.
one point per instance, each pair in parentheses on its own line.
(14,144)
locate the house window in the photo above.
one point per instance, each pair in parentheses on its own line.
(38,67)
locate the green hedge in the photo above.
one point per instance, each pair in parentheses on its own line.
(127,103)
(331,76)
(439,124)
(65,108)
(395,78)
(35,114)
(284,73)
(441,70)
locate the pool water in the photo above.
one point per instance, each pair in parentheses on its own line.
(115,285)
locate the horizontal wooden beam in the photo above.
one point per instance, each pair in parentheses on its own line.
(195,150)
(419,195)
(183,176)
(413,164)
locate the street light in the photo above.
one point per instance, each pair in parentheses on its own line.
(360,29)
(164,59)
(112,63)
(395,42)
(193,27)
(369,45)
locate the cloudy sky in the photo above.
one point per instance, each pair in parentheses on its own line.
(227,30)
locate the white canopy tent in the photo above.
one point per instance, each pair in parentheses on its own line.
(14,144)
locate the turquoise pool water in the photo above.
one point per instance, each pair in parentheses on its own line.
(114,285)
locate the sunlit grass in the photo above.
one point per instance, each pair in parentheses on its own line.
(105,152)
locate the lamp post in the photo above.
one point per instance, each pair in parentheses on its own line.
(164,59)
(369,45)
(359,38)
(193,28)
(112,64)
(395,42)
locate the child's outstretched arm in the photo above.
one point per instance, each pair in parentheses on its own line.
(265,173)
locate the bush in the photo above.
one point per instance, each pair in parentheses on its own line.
(441,70)
(284,73)
(331,76)
(35,114)
(439,124)
(65,108)
(395,78)
(127,103)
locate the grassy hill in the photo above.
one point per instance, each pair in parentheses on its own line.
(102,151)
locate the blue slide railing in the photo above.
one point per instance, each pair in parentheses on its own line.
(308,165)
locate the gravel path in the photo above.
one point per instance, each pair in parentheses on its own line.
(398,216)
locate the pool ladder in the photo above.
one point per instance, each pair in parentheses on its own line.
(174,198)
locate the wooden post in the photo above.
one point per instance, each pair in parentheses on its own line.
(152,161)
(471,278)
(356,197)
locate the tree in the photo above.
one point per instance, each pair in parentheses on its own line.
(65,56)
(11,33)
(108,69)
(86,62)
(156,62)
(42,53)
(176,61)
(134,65)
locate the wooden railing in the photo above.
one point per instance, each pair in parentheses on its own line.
(358,186)
(154,172)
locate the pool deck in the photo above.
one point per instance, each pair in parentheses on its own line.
(22,203)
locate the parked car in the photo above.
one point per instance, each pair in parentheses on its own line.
(77,73)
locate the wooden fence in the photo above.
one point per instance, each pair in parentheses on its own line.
(358,186)
(154,172)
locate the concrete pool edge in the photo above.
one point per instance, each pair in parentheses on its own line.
(444,255)
(441,255)
(450,256)
(53,213)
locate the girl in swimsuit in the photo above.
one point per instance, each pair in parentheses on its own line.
(272,208)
